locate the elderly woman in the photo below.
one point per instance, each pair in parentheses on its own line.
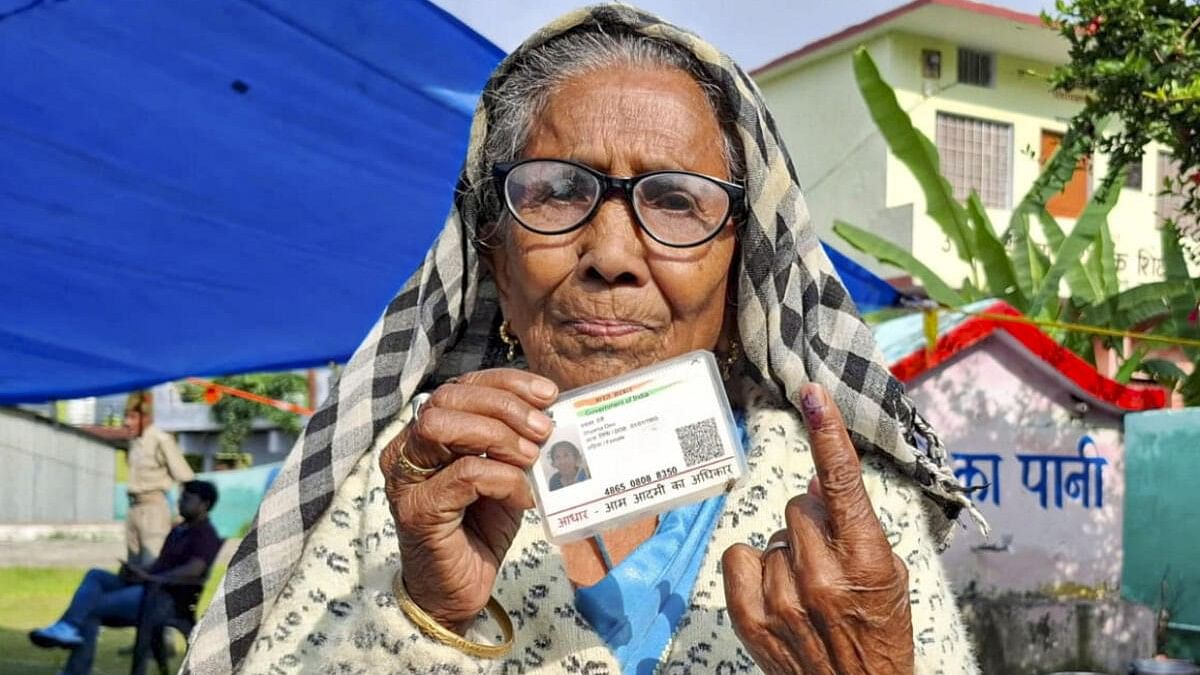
(625,199)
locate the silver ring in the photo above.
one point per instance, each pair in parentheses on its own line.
(417,403)
(775,545)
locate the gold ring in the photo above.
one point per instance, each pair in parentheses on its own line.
(406,464)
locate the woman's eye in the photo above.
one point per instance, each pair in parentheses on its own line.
(563,190)
(674,201)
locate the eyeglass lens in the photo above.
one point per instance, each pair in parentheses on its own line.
(677,208)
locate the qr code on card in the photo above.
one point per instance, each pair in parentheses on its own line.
(700,442)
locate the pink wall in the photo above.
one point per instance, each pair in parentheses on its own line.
(997,401)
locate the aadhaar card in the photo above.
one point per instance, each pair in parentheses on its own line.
(635,445)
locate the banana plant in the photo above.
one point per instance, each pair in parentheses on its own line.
(1027,278)
(1011,265)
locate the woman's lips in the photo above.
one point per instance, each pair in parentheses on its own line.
(605,327)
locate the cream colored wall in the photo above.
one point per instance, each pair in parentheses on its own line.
(837,152)
(847,172)
(1024,102)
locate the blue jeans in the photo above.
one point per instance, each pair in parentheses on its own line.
(102,598)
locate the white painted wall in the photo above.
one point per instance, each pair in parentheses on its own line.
(995,399)
(838,154)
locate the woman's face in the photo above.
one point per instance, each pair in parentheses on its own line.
(606,298)
(563,461)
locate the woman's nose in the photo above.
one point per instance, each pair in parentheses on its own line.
(614,252)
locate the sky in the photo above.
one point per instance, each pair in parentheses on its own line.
(753,32)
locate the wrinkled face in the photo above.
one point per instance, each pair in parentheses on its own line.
(563,461)
(606,298)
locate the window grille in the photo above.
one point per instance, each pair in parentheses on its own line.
(977,68)
(976,155)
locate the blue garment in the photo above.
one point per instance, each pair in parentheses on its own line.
(637,606)
(556,479)
(102,598)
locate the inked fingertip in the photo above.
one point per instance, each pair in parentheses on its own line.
(812,405)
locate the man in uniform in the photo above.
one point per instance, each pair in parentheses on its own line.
(155,465)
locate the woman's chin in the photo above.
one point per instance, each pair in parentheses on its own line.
(587,359)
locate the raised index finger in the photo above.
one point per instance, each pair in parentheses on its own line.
(850,515)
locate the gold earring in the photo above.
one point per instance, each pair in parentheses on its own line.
(509,340)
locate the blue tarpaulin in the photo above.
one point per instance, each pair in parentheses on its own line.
(218,186)
(222,186)
(868,290)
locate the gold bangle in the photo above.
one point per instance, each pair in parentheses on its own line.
(437,631)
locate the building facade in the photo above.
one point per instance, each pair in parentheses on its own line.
(973,79)
(53,473)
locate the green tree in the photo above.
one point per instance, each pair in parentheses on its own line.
(1137,61)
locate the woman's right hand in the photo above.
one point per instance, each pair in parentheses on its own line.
(456,525)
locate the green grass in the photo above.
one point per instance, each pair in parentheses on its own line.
(32,597)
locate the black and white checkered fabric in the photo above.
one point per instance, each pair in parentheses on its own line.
(796,323)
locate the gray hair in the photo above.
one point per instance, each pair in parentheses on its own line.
(515,105)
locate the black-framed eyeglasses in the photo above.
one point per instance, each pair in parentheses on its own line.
(676,208)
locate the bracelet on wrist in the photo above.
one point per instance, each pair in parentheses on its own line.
(436,631)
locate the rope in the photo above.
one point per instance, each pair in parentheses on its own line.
(1079,327)
(287,406)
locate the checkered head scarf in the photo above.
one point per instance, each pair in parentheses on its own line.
(796,323)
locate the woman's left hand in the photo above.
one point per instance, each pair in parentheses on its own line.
(830,597)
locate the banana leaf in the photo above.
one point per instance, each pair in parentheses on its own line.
(885,251)
(1029,263)
(1130,365)
(1174,265)
(1082,282)
(1176,271)
(997,267)
(916,152)
(1164,372)
(1085,233)
(1135,306)
(1102,263)
(1190,388)
(1056,173)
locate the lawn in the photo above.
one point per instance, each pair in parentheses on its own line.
(33,597)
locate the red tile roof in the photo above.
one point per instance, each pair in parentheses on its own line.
(968,5)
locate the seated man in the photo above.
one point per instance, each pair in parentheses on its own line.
(104,598)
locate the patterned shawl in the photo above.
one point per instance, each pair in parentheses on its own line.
(795,319)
